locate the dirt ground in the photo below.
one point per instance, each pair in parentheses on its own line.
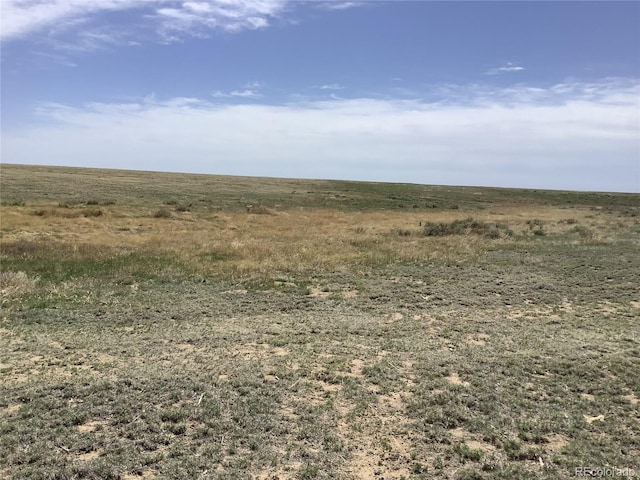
(495,340)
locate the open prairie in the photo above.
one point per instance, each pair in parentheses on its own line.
(177,326)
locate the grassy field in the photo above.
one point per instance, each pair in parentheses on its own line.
(177,326)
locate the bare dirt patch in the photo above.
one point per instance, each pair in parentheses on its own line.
(556,442)
(318,292)
(91,426)
(88,456)
(11,409)
(455,379)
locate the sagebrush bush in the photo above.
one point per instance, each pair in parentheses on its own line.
(465,227)
(92,212)
(162,213)
(581,230)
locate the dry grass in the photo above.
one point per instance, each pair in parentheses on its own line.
(15,284)
(263,328)
(289,241)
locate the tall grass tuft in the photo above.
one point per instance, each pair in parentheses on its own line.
(13,284)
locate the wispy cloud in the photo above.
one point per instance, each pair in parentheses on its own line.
(331,86)
(246,93)
(250,90)
(335,5)
(580,136)
(170,20)
(509,67)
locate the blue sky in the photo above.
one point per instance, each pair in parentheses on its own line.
(518,94)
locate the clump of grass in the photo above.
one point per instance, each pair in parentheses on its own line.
(467,453)
(13,202)
(534,223)
(183,208)
(95,202)
(162,213)
(259,210)
(582,231)
(15,283)
(19,248)
(74,213)
(468,226)
(92,212)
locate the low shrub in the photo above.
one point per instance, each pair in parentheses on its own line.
(468,226)
(13,202)
(581,230)
(92,212)
(183,208)
(259,210)
(162,213)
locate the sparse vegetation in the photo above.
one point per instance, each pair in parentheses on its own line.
(468,226)
(340,335)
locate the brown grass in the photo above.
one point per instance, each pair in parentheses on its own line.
(245,244)
(308,329)
(15,284)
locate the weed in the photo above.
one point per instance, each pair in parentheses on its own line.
(418,468)
(309,472)
(535,223)
(92,212)
(467,453)
(582,231)
(162,213)
(259,210)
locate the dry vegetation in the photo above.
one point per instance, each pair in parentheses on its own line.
(187,326)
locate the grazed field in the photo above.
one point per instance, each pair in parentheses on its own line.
(183,326)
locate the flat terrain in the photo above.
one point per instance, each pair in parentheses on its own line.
(176,326)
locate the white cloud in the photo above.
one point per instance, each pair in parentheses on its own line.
(331,86)
(339,5)
(579,136)
(250,90)
(247,93)
(509,67)
(170,19)
(21,17)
